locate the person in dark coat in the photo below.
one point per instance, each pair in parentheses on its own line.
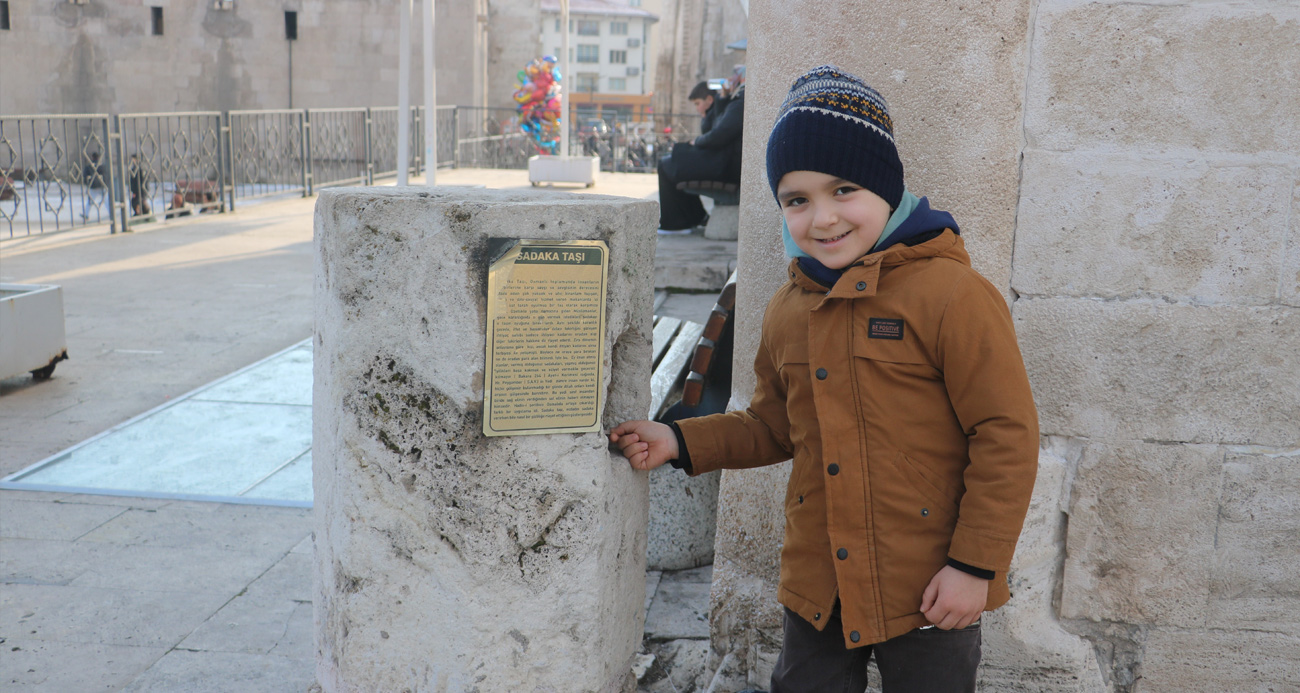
(713,156)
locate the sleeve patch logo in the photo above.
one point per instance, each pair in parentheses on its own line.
(882,328)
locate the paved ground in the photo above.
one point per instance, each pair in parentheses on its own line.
(104,593)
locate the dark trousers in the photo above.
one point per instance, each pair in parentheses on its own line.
(677,210)
(922,661)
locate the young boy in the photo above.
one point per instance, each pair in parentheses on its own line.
(889,370)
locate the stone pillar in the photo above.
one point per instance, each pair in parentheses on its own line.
(954,75)
(446,560)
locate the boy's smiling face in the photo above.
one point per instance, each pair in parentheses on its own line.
(831,219)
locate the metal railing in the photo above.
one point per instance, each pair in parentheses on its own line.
(267,153)
(174,163)
(56,173)
(62,172)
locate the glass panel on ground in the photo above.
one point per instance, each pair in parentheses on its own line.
(245,436)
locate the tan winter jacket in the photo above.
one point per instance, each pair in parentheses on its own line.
(903,400)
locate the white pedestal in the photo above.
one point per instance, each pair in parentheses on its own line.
(563,169)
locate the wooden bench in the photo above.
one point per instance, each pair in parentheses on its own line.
(684,353)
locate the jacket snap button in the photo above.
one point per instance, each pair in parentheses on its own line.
(817,617)
(925,512)
(821,373)
(833,469)
(854,636)
(842,554)
(862,286)
(800,500)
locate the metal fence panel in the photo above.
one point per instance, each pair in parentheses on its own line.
(55,173)
(59,172)
(338,147)
(174,164)
(267,153)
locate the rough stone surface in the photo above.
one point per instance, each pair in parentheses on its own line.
(1256,578)
(1237,660)
(1026,649)
(1144,370)
(1158,76)
(524,554)
(682,512)
(1133,556)
(1179,229)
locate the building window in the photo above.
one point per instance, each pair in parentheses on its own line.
(618,57)
(588,53)
(4,15)
(557,26)
(587,81)
(155,15)
(617,84)
(588,27)
(634,3)
(634,43)
(633,71)
(291,25)
(618,28)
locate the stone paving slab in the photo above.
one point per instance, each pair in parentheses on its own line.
(24,519)
(43,666)
(224,672)
(96,616)
(681,606)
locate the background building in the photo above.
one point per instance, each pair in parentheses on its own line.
(608,54)
(124,56)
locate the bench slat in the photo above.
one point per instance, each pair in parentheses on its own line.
(663,336)
(670,368)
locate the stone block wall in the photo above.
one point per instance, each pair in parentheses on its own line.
(1128,174)
(1155,276)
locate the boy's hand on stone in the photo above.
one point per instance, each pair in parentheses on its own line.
(954,599)
(645,444)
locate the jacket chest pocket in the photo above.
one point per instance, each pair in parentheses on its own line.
(885,362)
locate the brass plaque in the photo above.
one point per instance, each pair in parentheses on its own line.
(546,338)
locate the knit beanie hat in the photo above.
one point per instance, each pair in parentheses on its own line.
(833,123)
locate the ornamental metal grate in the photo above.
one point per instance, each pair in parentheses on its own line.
(173,164)
(62,172)
(339,146)
(267,153)
(55,173)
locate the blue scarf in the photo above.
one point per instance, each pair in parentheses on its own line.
(912,223)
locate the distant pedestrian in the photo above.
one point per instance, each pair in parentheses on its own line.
(93,175)
(136,182)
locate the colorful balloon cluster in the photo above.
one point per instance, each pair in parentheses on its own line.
(538,97)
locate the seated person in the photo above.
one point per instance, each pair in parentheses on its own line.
(714,155)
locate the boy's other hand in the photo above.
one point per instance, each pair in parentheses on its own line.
(953,599)
(645,444)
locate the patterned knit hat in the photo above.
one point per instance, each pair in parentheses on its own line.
(833,123)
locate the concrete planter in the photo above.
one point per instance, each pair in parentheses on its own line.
(32,338)
(563,169)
